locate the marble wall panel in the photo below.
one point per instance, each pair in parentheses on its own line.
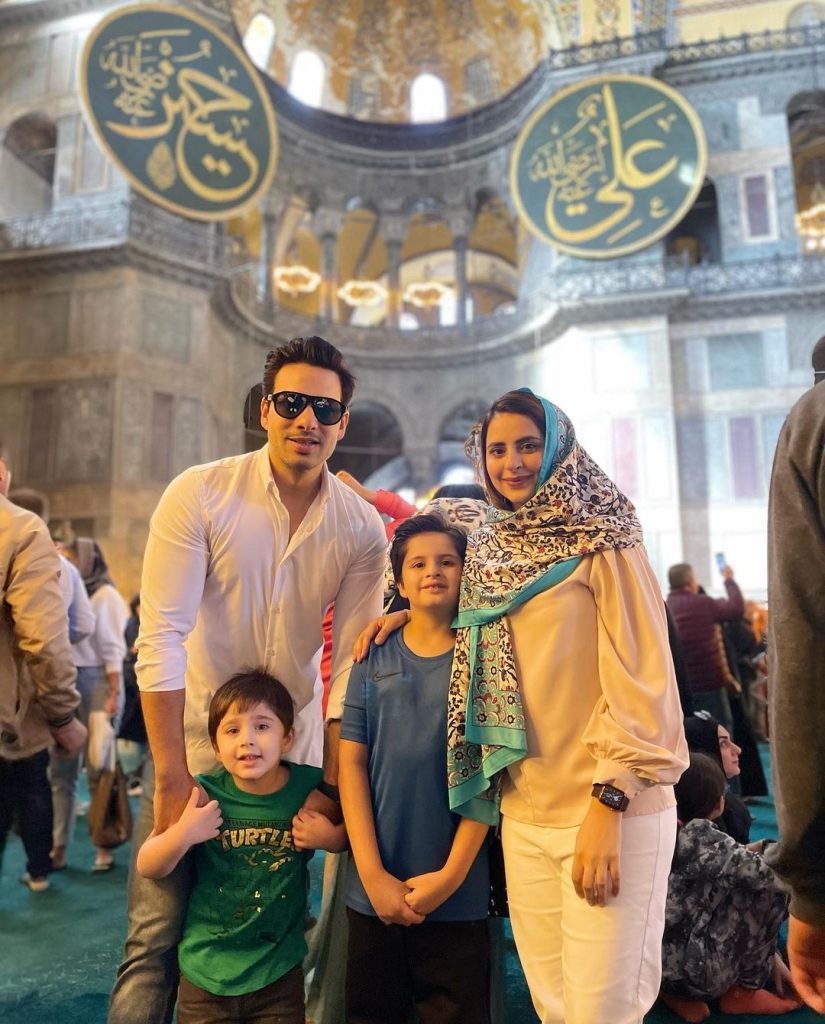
(691,444)
(135,405)
(14,404)
(84,441)
(165,327)
(622,363)
(29,68)
(61,63)
(43,326)
(99,323)
(805,328)
(736,361)
(188,427)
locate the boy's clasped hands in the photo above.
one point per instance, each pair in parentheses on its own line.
(406,903)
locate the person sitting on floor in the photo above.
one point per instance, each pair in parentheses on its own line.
(706,735)
(724,910)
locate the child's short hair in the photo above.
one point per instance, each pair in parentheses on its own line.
(700,788)
(245,690)
(427,522)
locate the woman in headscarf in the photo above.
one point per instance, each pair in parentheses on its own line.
(563,704)
(99,660)
(705,735)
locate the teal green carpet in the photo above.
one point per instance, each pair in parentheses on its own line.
(59,950)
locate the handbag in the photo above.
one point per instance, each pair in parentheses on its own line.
(110,814)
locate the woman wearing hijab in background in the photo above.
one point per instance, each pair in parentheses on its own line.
(707,736)
(100,682)
(562,676)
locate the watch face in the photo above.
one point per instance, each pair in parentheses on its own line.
(612,797)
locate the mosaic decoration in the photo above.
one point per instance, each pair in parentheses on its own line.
(180,109)
(607,166)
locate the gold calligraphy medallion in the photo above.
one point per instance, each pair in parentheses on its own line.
(607,166)
(180,109)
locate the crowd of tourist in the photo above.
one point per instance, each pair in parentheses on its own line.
(498,713)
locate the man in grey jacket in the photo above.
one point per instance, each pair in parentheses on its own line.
(796,591)
(38,696)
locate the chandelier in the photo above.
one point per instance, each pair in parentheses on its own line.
(362,293)
(810,223)
(426,294)
(296,279)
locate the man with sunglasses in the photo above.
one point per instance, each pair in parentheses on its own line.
(244,557)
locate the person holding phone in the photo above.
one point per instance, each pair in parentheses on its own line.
(698,619)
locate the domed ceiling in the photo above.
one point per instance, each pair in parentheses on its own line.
(373,50)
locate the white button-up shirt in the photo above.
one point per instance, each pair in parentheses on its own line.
(224,589)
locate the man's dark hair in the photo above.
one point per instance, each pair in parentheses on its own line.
(522,403)
(678,576)
(474,491)
(700,788)
(316,352)
(246,689)
(427,522)
(31,500)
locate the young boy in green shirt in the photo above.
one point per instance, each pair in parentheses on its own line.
(243,939)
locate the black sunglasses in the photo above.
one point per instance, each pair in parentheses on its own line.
(290,405)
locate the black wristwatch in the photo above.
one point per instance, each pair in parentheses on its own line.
(611,797)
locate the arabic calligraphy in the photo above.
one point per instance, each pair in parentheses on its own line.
(608,165)
(181,110)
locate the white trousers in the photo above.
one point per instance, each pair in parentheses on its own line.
(583,964)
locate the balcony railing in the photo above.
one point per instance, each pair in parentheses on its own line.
(121,221)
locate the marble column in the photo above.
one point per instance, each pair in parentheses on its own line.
(460,248)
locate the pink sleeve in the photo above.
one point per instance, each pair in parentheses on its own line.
(394,506)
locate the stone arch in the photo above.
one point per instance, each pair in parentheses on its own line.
(454,432)
(806,129)
(27,157)
(804,14)
(373,439)
(696,238)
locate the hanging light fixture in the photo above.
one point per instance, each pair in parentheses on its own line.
(426,294)
(362,293)
(296,279)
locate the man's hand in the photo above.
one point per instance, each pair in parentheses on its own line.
(727,573)
(377,632)
(806,952)
(312,830)
(172,793)
(197,824)
(386,894)
(596,858)
(70,738)
(429,891)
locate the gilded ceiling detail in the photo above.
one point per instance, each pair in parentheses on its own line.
(374,49)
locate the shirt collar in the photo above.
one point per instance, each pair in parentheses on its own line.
(268,481)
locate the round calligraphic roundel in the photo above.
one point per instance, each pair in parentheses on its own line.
(180,109)
(608,165)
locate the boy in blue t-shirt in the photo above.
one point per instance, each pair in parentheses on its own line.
(418,890)
(243,939)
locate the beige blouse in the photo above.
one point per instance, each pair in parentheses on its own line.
(599,693)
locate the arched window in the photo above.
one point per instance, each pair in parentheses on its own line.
(27,157)
(807,13)
(259,39)
(306,82)
(428,99)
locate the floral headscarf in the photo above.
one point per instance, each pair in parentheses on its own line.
(576,511)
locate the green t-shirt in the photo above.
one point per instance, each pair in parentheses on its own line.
(247,913)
